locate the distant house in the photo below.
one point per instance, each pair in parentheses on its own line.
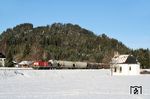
(2,60)
(125,65)
(25,64)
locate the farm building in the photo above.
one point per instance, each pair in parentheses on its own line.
(2,60)
(25,64)
(125,65)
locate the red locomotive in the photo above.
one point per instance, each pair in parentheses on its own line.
(41,65)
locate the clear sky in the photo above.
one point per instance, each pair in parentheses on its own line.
(126,20)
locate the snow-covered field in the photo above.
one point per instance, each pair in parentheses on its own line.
(70,84)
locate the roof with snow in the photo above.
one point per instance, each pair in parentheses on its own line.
(124,59)
(25,62)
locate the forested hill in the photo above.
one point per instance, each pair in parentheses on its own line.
(58,41)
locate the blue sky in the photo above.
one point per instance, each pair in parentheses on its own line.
(126,20)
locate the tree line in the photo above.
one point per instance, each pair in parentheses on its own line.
(63,42)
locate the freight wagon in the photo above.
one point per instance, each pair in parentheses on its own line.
(71,65)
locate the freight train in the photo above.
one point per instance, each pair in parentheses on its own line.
(68,65)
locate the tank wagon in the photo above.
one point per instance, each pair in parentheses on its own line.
(72,65)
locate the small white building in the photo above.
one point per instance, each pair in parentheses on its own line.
(124,65)
(2,60)
(25,64)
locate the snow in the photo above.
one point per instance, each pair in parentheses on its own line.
(70,84)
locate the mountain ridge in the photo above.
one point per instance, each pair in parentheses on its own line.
(59,41)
